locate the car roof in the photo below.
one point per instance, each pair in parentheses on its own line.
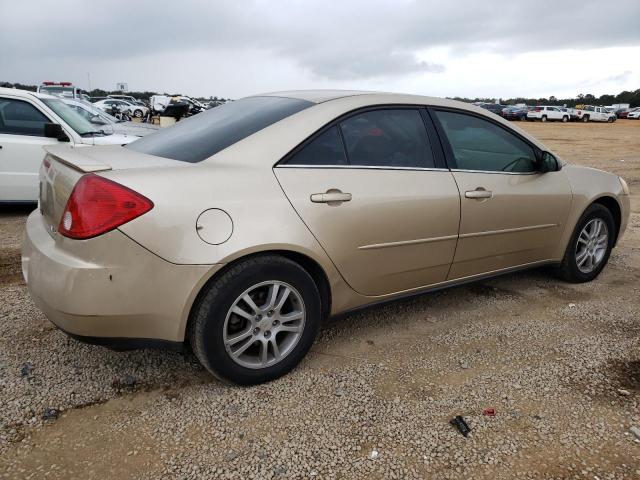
(315,96)
(16,92)
(370,97)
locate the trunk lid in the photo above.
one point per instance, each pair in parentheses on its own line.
(63,166)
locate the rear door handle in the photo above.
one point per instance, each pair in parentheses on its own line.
(331,196)
(478,193)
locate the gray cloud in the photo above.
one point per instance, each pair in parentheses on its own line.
(329,40)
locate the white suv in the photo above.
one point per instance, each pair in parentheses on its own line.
(30,121)
(544,113)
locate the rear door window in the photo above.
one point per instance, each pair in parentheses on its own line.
(325,149)
(387,138)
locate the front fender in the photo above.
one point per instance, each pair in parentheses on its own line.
(589,185)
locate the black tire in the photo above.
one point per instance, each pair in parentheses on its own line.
(585,118)
(544,118)
(568,269)
(565,119)
(208,318)
(137,113)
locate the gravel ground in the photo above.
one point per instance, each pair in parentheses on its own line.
(559,363)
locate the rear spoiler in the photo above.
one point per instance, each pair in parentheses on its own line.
(75,158)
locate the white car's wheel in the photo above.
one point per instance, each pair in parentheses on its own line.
(137,113)
(585,119)
(565,119)
(544,118)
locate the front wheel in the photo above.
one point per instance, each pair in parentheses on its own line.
(257,321)
(137,113)
(544,118)
(585,119)
(565,119)
(590,246)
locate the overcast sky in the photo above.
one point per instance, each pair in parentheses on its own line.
(487,48)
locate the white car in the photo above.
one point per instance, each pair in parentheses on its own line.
(634,114)
(107,104)
(545,113)
(30,121)
(109,123)
(591,113)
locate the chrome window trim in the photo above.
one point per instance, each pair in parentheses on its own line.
(493,172)
(364,167)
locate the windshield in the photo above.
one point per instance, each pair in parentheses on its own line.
(89,112)
(76,121)
(203,135)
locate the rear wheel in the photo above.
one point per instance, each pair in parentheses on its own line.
(544,118)
(257,321)
(565,119)
(585,119)
(590,246)
(137,113)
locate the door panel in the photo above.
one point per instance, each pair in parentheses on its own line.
(520,223)
(20,159)
(397,231)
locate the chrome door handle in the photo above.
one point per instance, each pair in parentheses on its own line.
(478,193)
(331,196)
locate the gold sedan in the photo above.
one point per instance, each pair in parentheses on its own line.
(239,230)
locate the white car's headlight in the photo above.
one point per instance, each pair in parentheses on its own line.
(625,187)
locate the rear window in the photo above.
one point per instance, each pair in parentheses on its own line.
(205,134)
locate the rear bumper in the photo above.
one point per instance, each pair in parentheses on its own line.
(109,287)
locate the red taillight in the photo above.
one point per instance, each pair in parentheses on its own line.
(98,205)
(538,109)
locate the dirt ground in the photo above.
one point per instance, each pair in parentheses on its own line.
(559,363)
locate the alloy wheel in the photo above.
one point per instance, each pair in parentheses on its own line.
(592,245)
(264,324)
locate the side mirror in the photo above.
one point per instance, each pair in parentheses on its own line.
(54,130)
(548,163)
(97,120)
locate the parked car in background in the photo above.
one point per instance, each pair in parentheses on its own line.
(137,111)
(622,112)
(154,243)
(126,98)
(515,113)
(545,113)
(159,104)
(573,113)
(493,107)
(591,113)
(108,122)
(634,114)
(30,121)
